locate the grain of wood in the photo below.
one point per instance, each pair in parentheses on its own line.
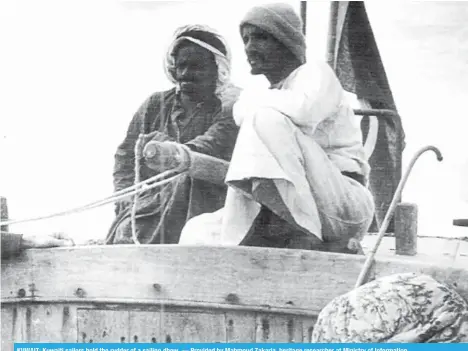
(8,327)
(406,229)
(53,322)
(285,279)
(240,326)
(145,327)
(209,282)
(21,323)
(308,328)
(449,248)
(386,247)
(462,253)
(198,327)
(429,249)
(279,278)
(274,328)
(104,326)
(462,250)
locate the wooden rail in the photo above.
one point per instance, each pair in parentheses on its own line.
(156,293)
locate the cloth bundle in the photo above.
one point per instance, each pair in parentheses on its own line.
(401,308)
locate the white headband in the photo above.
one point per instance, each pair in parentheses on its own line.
(223,62)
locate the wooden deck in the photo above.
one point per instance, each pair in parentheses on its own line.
(429,249)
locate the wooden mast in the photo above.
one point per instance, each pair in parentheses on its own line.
(304,16)
(332,32)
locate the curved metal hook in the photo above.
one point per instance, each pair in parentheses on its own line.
(391,209)
(427,148)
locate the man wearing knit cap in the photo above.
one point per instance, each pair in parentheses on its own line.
(298,173)
(279,45)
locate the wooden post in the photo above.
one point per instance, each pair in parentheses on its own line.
(406,229)
(304,16)
(332,32)
(3,213)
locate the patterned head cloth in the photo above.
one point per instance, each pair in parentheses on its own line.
(207,38)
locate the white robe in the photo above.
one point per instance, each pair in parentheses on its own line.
(302,135)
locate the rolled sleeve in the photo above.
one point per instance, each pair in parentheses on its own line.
(219,140)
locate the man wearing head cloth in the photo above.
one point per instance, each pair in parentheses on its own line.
(298,174)
(196,113)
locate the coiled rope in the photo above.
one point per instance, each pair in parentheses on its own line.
(136,181)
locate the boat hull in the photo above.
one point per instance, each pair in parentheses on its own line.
(172,293)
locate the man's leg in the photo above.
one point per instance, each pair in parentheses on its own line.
(270,230)
(277,230)
(345,207)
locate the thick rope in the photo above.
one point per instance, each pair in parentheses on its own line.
(137,188)
(124,194)
(137,180)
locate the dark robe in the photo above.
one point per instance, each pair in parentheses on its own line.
(163,211)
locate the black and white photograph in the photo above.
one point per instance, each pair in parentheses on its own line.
(233,172)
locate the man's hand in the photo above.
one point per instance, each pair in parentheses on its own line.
(45,241)
(154,136)
(163,156)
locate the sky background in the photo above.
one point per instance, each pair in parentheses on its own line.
(74,72)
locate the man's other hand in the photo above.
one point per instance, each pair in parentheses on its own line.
(46,241)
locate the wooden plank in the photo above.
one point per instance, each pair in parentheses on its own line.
(437,248)
(448,248)
(21,323)
(17,325)
(240,326)
(292,281)
(386,247)
(406,229)
(104,326)
(308,328)
(8,326)
(462,251)
(429,249)
(461,255)
(278,328)
(53,322)
(175,273)
(145,327)
(199,327)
